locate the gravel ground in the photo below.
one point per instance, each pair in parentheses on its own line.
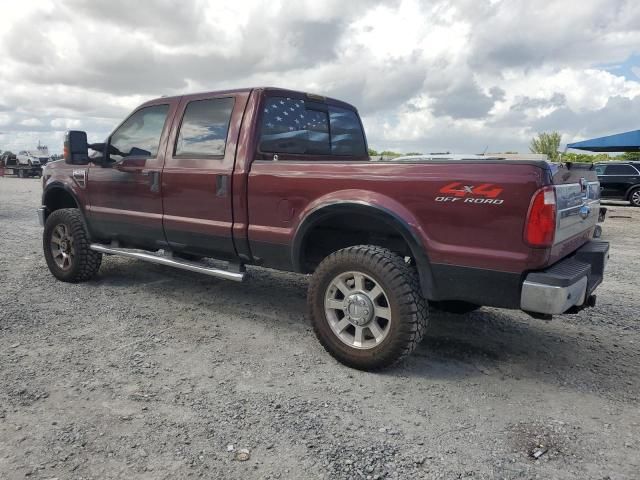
(147,372)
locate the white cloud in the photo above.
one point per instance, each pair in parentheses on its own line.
(31,122)
(426,75)
(65,123)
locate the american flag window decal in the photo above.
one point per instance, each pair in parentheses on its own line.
(290,126)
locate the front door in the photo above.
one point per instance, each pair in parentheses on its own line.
(125,199)
(196,179)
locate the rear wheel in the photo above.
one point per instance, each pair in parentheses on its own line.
(366,307)
(66,247)
(634,197)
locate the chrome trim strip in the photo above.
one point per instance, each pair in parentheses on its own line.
(170,262)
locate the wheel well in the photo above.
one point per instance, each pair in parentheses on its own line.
(58,198)
(335,231)
(631,190)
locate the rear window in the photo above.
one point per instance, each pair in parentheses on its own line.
(290,125)
(346,132)
(620,170)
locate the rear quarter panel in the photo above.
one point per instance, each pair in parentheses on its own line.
(455,232)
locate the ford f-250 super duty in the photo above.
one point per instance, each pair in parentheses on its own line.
(282,179)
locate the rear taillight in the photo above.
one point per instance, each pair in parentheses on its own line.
(540,228)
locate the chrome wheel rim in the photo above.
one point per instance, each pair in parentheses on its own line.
(357,309)
(635,198)
(62,248)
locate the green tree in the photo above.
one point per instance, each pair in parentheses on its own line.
(389,153)
(546,143)
(630,156)
(373,153)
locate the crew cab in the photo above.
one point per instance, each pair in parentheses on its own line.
(281,179)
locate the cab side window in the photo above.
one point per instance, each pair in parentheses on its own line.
(346,132)
(204,128)
(140,134)
(288,126)
(291,125)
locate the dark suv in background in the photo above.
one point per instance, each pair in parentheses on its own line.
(620,181)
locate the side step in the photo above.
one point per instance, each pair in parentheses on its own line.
(170,261)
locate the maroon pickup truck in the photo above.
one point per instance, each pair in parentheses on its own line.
(282,179)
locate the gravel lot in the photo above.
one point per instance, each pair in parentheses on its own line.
(148,372)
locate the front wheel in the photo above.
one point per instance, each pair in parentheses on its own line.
(66,247)
(366,307)
(634,197)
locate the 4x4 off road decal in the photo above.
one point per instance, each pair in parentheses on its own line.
(486,193)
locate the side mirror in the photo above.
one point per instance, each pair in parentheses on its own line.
(76,151)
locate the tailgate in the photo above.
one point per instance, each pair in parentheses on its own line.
(578,204)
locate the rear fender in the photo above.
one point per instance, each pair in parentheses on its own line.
(373,204)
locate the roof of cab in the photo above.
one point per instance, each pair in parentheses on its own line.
(276,90)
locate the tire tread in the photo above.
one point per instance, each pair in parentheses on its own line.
(88,261)
(401,279)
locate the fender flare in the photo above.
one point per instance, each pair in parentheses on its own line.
(378,212)
(57,185)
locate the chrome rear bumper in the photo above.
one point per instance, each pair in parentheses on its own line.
(567,284)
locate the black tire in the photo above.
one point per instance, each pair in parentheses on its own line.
(400,284)
(634,197)
(454,306)
(85,263)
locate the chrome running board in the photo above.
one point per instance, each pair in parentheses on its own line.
(170,262)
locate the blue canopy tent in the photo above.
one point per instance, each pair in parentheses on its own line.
(621,142)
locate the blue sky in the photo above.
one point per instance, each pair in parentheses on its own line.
(629,69)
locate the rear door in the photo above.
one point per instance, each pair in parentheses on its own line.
(196,179)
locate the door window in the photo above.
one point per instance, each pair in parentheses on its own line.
(204,128)
(140,134)
(620,170)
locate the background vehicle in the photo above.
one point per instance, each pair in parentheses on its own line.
(282,179)
(38,157)
(620,181)
(13,167)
